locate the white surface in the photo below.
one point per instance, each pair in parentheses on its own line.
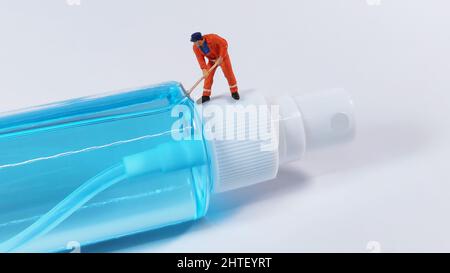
(389,189)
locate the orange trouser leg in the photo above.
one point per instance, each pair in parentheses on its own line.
(207,85)
(228,72)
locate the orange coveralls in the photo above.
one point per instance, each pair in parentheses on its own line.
(218,48)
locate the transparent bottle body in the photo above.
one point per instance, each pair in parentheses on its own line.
(49,152)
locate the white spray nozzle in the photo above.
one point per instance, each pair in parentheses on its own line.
(313,121)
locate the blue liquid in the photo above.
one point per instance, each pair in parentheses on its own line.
(68,157)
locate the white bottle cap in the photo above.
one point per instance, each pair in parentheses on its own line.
(259,143)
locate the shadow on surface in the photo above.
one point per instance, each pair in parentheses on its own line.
(373,145)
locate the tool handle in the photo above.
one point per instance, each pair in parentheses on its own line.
(202,78)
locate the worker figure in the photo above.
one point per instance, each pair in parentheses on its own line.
(215,48)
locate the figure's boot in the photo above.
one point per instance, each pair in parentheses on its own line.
(205,99)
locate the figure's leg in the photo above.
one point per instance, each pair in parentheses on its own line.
(228,72)
(207,85)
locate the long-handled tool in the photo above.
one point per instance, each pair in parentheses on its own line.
(188,93)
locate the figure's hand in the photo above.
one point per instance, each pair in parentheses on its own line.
(205,72)
(219,60)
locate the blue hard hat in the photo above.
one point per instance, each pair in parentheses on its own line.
(196,36)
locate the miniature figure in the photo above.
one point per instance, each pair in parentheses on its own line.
(215,48)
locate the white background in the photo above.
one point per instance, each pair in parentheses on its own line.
(388,190)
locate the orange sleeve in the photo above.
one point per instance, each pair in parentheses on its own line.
(200,58)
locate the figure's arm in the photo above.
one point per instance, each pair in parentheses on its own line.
(223,47)
(200,58)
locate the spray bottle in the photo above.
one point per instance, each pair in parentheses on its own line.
(102,167)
